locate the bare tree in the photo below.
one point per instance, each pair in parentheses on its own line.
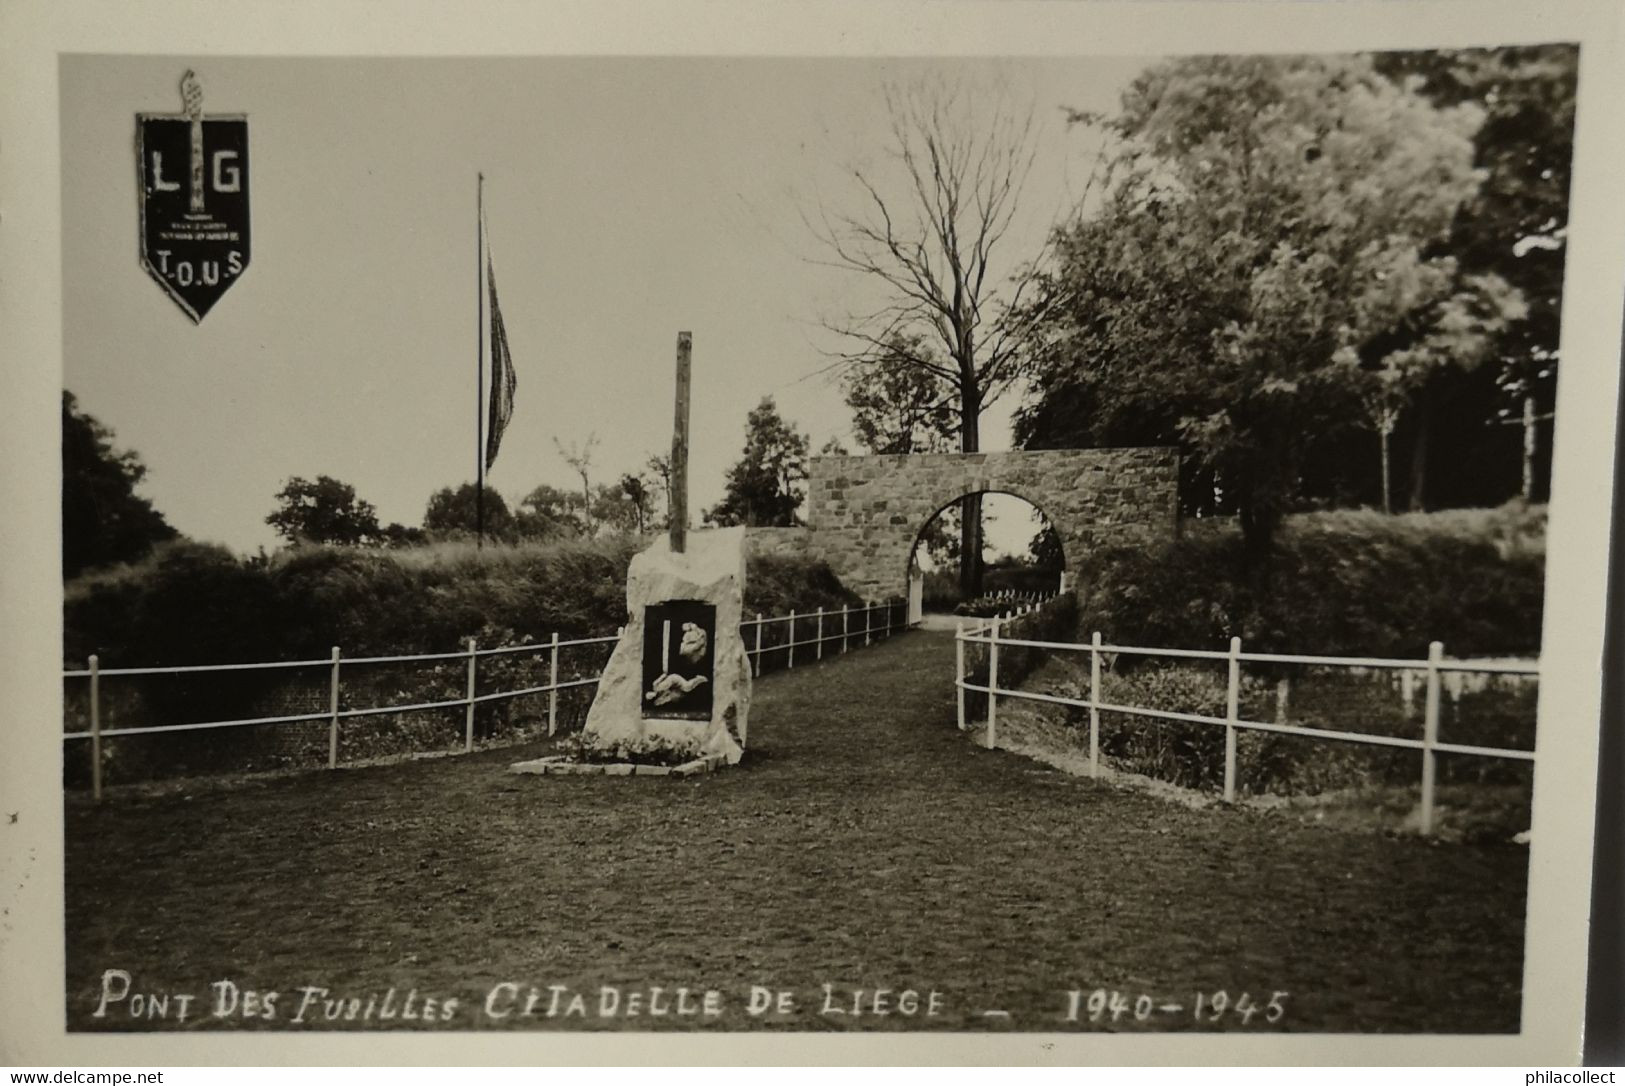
(579,457)
(927,234)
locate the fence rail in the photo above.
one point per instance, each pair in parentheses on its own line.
(892,616)
(1432,668)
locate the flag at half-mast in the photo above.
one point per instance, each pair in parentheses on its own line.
(503,378)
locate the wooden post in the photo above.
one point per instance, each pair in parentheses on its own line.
(1094,704)
(846,610)
(758,644)
(1430,734)
(1407,690)
(819,652)
(96,728)
(1528,448)
(992,682)
(868,620)
(1232,713)
(1283,699)
(790,641)
(468,723)
(959,672)
(553,682)
(333,713)
(679,447)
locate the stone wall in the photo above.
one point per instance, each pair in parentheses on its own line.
(864,513)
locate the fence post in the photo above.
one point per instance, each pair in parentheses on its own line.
(846,612)
(1094,704)
(818,651)
(468,724)
(96,728)
(758,644)
(1232,713)
(553,684)
(868,621)
(333,713)
(790,642)
(992,682)
(1430,734)
(959,671)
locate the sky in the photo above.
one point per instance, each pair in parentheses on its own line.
(627,199)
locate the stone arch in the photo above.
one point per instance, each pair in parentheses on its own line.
(864,512)
(1066,557)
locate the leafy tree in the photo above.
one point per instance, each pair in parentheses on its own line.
(103,519)
(635,488)
(899,406)
(1516,226)
(550,513)
(324,511)
(763,488)
(613,509)
(833,447)
(456,513)
(929,239)
(1268,242)
(399,535)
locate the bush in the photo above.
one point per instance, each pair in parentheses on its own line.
(778,584)
(191,603)
(1339,583)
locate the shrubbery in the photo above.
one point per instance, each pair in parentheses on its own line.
(1349,583)
(192,603)
(1339,583)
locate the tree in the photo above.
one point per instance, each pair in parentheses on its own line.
(579,457)
(635,488)
(1516,226)
(658,469)
(324,511)
(763,488)
(929,239)
(399,535)
(1268,241)
(898,406)
(550,513)
(612,510)
(456,513)
(103,519)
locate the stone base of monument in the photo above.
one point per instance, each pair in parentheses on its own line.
(562,765)
(675,694)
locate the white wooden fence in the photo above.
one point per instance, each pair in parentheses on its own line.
(857,626)
(1432,668)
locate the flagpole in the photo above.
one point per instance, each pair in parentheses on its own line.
(479,369)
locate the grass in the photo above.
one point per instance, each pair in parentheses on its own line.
(862,843)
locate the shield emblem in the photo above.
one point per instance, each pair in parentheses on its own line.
(194,202)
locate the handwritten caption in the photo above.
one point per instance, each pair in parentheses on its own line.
(122,1000)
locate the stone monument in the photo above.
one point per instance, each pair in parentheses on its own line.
(679,678)
(677,686)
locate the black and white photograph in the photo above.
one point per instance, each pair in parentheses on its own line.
(989,546)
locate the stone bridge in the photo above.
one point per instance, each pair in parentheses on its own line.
(864,513)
